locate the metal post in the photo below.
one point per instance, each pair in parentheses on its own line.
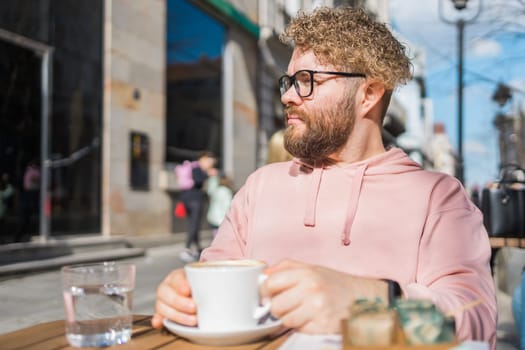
(45,168)
(460,24)
(461,29)
(227,108)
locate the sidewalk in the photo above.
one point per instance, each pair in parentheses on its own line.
(31,298)
(35,256)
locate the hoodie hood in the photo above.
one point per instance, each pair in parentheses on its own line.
(393,161)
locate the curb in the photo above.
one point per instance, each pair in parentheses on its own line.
(79,258)
(24,258)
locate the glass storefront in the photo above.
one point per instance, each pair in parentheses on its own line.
(194,63)
(74,31)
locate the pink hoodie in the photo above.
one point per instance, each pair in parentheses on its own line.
(384,217)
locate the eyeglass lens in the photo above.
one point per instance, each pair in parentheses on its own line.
(302,81)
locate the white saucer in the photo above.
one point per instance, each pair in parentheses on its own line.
(239,337)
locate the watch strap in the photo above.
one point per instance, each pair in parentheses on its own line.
(394,291)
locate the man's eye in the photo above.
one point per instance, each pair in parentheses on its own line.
(304,79)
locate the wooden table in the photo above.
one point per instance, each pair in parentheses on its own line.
(496,243)
(51,335)
(499,242)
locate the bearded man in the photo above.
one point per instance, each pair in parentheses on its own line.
(347,217)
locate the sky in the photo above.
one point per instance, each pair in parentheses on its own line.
(494,52)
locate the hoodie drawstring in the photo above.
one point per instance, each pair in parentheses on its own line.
(393,161)
(311,202)
(355,192)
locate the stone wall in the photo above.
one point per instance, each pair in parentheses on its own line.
(245,112)
(134,100)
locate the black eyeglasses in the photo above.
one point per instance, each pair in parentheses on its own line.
(303,80)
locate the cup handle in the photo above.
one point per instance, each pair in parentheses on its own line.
(264,309)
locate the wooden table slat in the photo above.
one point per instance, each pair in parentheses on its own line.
(277,341)
(56,342)
(183,344)
(51,336)
(41,332)
(264,344)
(499,242)
(155,339)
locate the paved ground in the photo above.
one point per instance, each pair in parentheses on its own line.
(36,298)
(30,299)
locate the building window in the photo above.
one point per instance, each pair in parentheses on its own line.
(193,82)
(73,28)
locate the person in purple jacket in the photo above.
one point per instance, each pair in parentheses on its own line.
(349,218)
(194,200)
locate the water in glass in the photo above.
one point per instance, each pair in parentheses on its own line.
(99,315)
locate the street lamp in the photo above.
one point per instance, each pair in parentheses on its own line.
(460,4)
(502,94)
(508,148)
(460,24)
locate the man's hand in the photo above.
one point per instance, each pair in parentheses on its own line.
(174,301)
(314,299)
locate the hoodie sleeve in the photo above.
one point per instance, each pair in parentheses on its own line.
(454,263)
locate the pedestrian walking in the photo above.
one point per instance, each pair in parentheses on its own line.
(220,194)
(30,201)
(194,200)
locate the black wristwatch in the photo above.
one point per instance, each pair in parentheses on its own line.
(394,291)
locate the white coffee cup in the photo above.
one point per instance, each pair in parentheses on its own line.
(227,294)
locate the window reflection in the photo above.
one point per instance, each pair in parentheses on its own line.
(194,59)
(74,29)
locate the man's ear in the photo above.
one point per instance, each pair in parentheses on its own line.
(372,93)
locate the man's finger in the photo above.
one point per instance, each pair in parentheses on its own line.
(286,276)
(169,296)
(294,319)
(283,265)
(156,321)
(177,280)
(285,302)
(172,314)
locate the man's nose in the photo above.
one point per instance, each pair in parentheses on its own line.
(291,96)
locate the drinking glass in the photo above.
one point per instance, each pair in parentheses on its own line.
(98,301)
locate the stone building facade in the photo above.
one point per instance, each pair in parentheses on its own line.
(131,89)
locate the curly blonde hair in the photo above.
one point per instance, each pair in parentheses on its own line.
(349,39)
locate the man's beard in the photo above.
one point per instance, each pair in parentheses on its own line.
(323,134)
